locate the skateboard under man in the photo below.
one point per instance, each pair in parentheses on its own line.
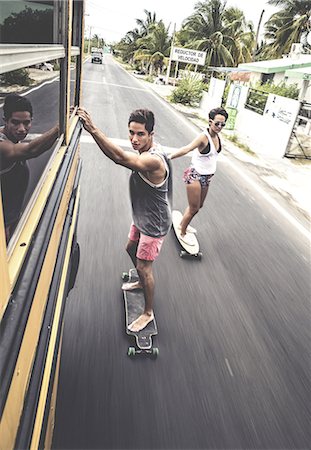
(134,303)
(192,249)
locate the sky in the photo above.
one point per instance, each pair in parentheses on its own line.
(113,20)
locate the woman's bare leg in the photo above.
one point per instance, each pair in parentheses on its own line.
(194,202)
(196,197)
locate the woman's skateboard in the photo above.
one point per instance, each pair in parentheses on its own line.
(134,302)
(191,249)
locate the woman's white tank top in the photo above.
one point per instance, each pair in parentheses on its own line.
(205,164)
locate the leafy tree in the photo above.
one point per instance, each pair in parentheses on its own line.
(28,27)
(144,25)
(128,45)
(223,34)
(154,48)
(286,26)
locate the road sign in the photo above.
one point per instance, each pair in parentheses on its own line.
(189,56)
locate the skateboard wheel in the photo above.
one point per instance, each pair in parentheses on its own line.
(199,255)
(155,351)
(182,253)
(131,351)
(125,276)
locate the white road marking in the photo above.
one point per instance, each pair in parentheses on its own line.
(87,139)
(117,85)
(22,94)
(229,367)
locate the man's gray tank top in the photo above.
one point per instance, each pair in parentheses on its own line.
(151,203)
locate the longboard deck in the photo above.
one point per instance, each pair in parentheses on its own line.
(134,303)
(194,249)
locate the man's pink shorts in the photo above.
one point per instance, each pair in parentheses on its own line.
(148,247)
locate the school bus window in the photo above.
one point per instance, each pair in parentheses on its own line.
(28,22)
(73,77)
(40,170)
(29,123)
(76,29)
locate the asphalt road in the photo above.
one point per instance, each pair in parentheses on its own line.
(234,328)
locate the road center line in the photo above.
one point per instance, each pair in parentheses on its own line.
(87,139)
(229,367)
(116,85)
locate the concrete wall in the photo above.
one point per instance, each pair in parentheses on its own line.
(212,98)
(268,134)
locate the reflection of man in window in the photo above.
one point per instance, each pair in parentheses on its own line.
(14,172)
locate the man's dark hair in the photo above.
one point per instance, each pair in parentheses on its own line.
(215,111)
(143,116)
(14,103)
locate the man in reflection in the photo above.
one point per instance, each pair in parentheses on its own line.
(149,191)
(14,171)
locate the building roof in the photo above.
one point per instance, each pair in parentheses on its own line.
(302,73)
(277,65)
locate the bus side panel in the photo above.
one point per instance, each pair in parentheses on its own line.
(15,406)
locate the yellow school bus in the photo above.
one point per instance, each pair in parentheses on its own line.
(41,54)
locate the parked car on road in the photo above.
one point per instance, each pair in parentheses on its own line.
(97,57)
(45,66)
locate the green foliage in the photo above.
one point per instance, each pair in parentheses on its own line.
(282,89)
(149,78)
(29,26)
(234,138)
(285,27)
(256,100)
(225,94)
(19,76)
(257,97)
(188,92)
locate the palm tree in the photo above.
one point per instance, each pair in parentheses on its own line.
(286,27)
(145,24)
(223,34)
(128,45)
(240,35)
(154,47)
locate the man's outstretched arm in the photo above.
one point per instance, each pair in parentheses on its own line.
(134,161)
(26,150)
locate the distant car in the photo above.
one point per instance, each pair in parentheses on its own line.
(97,57)
(45,66)
(159,80)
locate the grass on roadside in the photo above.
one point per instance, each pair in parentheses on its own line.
(234,138)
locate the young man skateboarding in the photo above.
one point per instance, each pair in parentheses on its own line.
(149,186)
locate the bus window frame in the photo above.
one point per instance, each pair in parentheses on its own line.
(17,56)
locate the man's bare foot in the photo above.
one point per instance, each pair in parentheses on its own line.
(140,323)
(131,286)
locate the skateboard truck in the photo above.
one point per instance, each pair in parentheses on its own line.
(132,351)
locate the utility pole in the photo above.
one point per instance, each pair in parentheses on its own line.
(171,53)
(89,46)
(257,34)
